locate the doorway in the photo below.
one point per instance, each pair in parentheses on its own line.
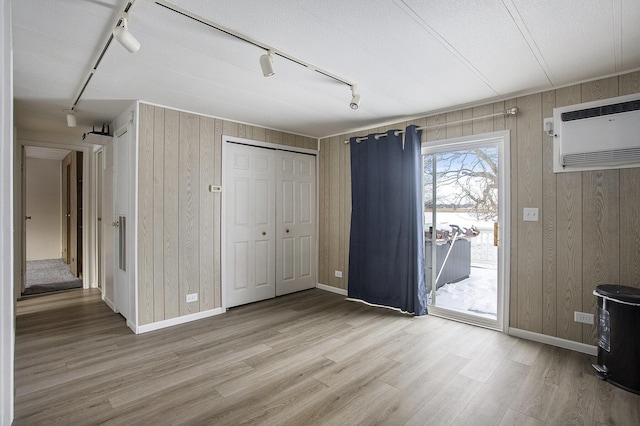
(52,206)
(465,189)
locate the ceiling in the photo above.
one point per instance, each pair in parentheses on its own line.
(45,153)
(408,57)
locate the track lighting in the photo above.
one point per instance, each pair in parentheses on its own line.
(122,34)
(266,63)
(71,119)
(355,98)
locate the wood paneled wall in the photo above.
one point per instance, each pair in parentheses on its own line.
(589,228)
(179,234)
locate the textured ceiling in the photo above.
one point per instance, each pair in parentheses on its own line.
(408,57)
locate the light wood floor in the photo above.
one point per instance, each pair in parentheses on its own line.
(306,358)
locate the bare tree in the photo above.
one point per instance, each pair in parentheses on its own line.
(464,179)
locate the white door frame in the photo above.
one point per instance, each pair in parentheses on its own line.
(503,141)
(126,298)
(88,216)
(225,179)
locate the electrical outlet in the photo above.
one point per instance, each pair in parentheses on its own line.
(583,317)
(193,297)
(339,274)
(530,214)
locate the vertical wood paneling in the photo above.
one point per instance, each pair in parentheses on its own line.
(230,128)
(467,127)
(601,227)
(171,215)
(548,216)
(629,83)
(346,201)
(599,89)
(448,132)
(484,125)
(259,133)
(569,239)
(529,195)
(217,218)
(206,231)
(276,137)
(145,215)
(322,214)
(244,130)
(289,139)
(343,251)
(334,205)
(158,214)
(189,216)
(438,132)
(629,227)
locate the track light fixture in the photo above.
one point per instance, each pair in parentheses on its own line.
(266,63)
(71,119)
(266,60)
(122,34)
(355,98)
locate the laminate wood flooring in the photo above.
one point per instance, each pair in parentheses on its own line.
(307,358)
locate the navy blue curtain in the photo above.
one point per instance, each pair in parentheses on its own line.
(386,250)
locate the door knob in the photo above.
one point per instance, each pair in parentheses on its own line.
(287,231)
(264,233)
(116,224)
(27,217)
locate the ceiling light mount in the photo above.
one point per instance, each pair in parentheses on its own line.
(124,37)
(266,63)
(355,98)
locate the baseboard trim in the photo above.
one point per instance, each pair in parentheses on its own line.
(178,320)
(331,289)
(554,341)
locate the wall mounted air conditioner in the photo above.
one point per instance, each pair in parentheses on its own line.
(597,135)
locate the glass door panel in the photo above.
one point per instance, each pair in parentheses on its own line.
(461,212)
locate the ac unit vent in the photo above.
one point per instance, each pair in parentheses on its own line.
(602,157)
(598,135)
(600,111)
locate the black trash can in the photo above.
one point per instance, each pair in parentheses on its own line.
(619,336)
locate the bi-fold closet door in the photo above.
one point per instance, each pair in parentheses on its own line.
(270,223)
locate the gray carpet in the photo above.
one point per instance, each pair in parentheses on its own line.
(48,275)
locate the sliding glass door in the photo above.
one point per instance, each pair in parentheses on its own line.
(465,207)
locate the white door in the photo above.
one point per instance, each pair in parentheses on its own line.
(120,233)
(296,219)
(465,187)
(249,225)
(108,218)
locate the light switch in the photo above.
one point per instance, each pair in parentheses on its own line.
(530,214)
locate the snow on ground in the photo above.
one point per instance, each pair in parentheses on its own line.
(477,295)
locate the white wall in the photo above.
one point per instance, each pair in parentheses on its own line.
(7,301)
(44,180)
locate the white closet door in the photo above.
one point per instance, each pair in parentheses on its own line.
(250,224)
(296,222)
